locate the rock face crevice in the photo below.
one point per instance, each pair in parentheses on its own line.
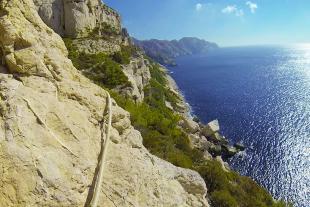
(50,131)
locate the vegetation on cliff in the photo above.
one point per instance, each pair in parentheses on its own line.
(104,30)
(100,67)
(165,139)
(123,56)
(158,125)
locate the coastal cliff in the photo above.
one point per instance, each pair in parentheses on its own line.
(60,59)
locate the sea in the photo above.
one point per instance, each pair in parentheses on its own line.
(261,97)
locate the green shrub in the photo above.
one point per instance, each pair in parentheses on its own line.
(158,74)
(73,52)
(108,29)
(158,126)
(156,95)
(230,188)
(108,72)
(223,199)
(105,31)
(178,158)
(99,67)
(123,56)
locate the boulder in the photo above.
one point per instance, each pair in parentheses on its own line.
(225,165)
(215,150)
(168,105)
(239,146)
(228,151)
(189,125)
(216,138)
(211,128)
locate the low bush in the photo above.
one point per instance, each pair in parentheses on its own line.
(99,67)
(157,91)
(124,55)
(223,199)
(160,132)
(108,29)
(106,72)
(229,189)
(105,31)
(158,75)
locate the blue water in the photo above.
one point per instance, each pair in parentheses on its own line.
(261,96)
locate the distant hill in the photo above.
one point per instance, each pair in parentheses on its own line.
(165,52)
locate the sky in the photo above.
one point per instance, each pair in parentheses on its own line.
(226,22)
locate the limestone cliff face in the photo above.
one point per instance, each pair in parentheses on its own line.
(95,28)
(138,73)
(51,122)
(76,18)
(85,20)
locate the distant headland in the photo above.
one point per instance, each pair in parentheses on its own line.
(165,51)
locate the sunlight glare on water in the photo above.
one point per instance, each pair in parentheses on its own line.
(261,96)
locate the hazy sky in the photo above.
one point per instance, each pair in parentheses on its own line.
(226,22)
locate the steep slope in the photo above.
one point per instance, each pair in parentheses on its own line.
(165,52)
(51,125)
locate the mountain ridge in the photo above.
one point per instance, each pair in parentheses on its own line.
(165,51)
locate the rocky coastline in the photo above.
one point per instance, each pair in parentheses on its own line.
(206,137)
